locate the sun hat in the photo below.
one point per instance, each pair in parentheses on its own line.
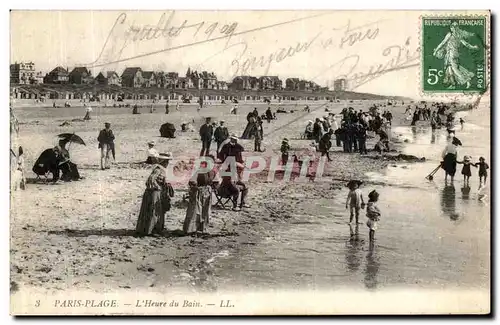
(233,136)
(151,143)
(285,140)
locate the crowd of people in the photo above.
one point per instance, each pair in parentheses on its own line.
(349,129)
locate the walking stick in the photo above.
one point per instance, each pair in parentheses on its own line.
(431,175)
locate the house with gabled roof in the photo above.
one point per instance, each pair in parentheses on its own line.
(80,76)
(149,79)
(132,77)
(270,83)
(108,78)
(59,75)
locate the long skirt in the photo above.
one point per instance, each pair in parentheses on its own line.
(198,211)
(152,216)
(249,131)
(450,164)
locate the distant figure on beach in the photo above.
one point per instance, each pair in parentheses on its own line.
(325,144)
(269,114)
(200,201)
(462,124)
(206,133)
(258,136)
(88,109)
(317,130)
(354,201)
(153,154)
(483,170)
(155,200)
(135,109)
(285,149)
(308,132)
(177,108)
(106,140)
(449,155)
(166,107)
(19,176)
(373,214)
(234,109)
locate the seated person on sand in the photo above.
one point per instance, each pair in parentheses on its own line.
(153,154)
(68,168)
(233,187)
(135,110)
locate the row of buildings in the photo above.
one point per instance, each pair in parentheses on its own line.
(135,77)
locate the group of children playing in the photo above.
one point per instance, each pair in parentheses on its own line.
(356,203)
(466,171)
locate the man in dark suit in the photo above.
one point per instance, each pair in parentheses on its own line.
(206,133)
(106,140)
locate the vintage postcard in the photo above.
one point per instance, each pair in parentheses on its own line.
(250,162)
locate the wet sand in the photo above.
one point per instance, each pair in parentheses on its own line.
(79,235)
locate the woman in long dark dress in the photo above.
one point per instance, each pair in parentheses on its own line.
(449,163)
(68,168)
(155,200)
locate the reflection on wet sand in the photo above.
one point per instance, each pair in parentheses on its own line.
(465,192)
(433,137)
(414,133)
(354,248)
(448,201)
(371,268)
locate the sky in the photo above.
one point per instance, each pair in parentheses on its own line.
(377,51)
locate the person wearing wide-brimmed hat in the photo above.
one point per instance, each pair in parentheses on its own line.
(232,149)
(106,140)
(155,200)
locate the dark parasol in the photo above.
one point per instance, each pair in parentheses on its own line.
(71,137)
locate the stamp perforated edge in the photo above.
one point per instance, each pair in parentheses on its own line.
(456,94)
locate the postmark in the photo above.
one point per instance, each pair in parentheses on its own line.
(454,54)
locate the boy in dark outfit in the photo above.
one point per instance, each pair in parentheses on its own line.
(362,139)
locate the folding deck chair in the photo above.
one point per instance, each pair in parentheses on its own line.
(222,201)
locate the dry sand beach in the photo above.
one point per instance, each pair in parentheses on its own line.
(80,235)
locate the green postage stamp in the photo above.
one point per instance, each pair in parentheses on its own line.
(454,54)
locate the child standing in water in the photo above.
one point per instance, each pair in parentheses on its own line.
(466,168)
(354,200)
(483,169)
(372,213)
(462,123)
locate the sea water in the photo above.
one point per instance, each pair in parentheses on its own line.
(431,234)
